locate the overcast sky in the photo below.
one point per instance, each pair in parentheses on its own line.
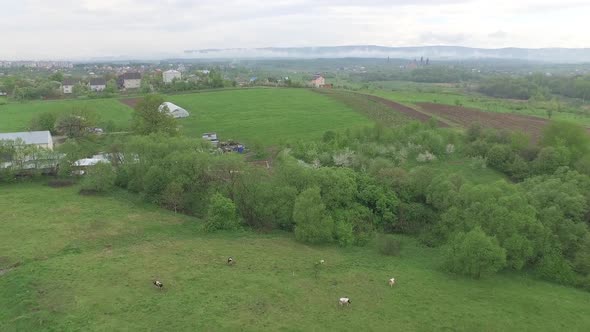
(42,29)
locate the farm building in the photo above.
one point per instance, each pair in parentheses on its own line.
(41,139)
(170,75)
(98,84)
(175,110)
(67,86)
(318,81)
(130,80)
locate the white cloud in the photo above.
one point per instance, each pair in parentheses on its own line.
(86,28)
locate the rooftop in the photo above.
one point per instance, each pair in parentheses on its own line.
(131,76)
(29,137)
(98,81)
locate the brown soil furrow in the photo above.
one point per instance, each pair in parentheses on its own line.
(467,116)
(410,112)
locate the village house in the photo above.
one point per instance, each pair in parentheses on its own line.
(318,81)
(130,80)
(98,84)
(67,86)
(170,75)
(41,139)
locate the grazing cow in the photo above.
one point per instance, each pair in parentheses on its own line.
(344,301)
(230,261)
(391,282)
(158,284)
(322,261)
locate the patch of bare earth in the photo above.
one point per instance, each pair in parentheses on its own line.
(466,116)
(131,102)
(408,111)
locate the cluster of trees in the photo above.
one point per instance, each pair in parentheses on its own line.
(430,74)
(74,123)
(537,86)
(562,144)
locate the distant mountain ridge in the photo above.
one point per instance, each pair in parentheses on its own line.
(555,55)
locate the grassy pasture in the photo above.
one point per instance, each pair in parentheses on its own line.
(87,263)
(16,116)
(267,116)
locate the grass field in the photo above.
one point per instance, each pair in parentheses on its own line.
(16,116)
(267,116)
(87,263)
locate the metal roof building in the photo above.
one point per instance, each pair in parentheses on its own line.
(40,138)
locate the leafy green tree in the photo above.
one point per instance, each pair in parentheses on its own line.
(76,123)
(145,86)
(572,136)
(56,77)
(215,79)
(312,223)
(474,254)
(554,267)
(44,121)
(149,119)
(221,214)
(344,233)
(499,156)
(550,159)
(173,196)
(111,86)
(338,186)
(99,178)
(81,89)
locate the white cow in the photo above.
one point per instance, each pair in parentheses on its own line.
(344,301)
(391,282)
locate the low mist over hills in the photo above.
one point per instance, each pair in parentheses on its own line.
(556,55)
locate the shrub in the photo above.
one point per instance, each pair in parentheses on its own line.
(343,232)
(312,224)
(425,157)
(44,121)
(221,214)
(100,178)
(388,245)
(554,267)
(474,254)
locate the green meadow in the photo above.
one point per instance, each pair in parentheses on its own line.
(74,263)
(16,116)
(266,116)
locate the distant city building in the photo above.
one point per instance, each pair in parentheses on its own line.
(170,75)
(98,84)
(41,139)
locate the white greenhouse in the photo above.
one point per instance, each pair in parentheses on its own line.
(175,110)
